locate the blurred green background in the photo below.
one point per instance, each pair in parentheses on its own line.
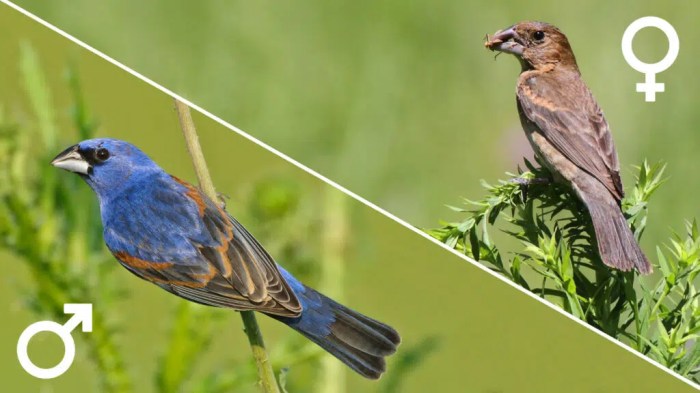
(397,101)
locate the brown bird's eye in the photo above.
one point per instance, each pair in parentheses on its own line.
(101,154)
(538,35)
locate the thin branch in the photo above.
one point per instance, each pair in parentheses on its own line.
(252,330)
(195,150)
(334,244)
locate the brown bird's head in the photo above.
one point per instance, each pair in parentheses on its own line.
(535,44)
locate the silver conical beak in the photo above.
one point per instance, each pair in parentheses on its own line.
(71,160)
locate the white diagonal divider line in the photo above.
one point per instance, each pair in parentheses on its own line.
(340,188)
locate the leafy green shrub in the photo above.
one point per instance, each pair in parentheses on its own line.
(555,257)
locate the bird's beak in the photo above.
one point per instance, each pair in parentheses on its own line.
(507,41)
(71,160)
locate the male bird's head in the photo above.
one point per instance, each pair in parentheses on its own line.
(107,165)
(537,45)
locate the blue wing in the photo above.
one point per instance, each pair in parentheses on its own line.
(166,231)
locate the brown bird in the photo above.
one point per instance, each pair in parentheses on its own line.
(566,127)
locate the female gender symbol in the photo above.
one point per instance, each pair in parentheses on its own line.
(650,87)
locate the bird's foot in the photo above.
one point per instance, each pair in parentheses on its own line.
(528,182)
(222,199)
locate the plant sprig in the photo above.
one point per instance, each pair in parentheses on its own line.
(557,259)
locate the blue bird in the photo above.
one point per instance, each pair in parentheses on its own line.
(168,232)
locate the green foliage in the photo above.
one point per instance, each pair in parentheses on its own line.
(557,259)
(191,334)
(50,224)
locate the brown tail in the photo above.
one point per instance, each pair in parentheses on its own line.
(616,243)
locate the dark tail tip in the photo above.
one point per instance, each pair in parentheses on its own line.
(357,340)
(362,342)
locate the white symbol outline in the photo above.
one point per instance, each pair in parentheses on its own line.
(82,314)
(650,87)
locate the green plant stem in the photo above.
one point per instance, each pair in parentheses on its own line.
(193,147)
(252,330)
(335,228)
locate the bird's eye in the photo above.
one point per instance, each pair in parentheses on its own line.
(101,154)
(538,35)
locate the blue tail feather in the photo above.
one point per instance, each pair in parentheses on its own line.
(357,340)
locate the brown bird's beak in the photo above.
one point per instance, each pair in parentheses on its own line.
(507,41)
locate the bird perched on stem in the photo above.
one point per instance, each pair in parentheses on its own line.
(566,127)
(168,232)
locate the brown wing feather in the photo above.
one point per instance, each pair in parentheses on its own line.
(569,117)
